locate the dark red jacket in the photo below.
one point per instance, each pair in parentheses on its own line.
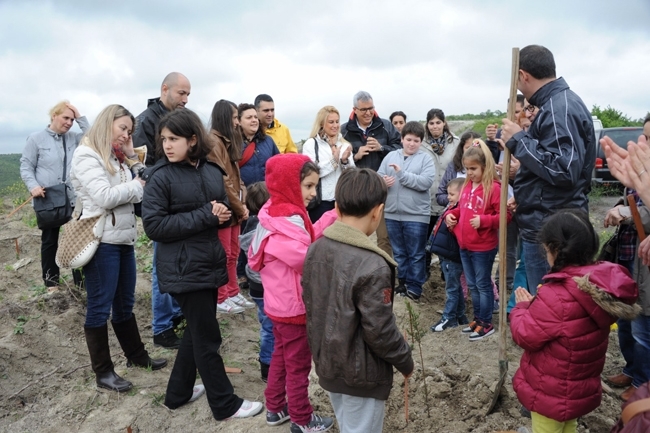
(564,331)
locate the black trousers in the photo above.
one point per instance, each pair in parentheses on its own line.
(200,349)
(49,245)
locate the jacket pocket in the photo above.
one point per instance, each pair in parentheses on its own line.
(182,261)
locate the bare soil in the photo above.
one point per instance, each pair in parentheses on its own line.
(46,384)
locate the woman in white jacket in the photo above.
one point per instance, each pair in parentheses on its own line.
(104,185)
(334,156)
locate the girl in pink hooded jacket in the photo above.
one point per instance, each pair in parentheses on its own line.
(564,329)
(278,252)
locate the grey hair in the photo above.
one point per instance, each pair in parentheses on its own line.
(360,96)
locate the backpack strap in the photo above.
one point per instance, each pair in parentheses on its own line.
(248,154)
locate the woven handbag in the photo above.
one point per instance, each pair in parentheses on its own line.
(79,241)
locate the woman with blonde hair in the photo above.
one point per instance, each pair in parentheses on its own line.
(331,152)
(105,185)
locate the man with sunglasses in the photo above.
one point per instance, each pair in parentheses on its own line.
(372,138)
(557,154)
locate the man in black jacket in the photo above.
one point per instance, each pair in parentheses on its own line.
(557,154)
(174,92)
(371,138)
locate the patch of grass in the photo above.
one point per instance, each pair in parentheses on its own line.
(38,290)
(133,391)
(20,325)
(157,399)
(9,268)
(30,220)
(600,190)
(180,329)
(143,241)
(224,328)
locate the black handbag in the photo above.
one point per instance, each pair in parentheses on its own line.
(609,251)
(315,202)
(54,209)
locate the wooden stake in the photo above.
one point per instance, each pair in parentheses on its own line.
(19,207)
(406,392)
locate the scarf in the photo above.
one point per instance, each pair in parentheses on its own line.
(283,182)
(117,151)
(438,144)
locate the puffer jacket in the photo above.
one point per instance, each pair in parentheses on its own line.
(147,123)
(177,213)
(381,130)
(278,253)
(348,289)
(440,162)
(557,156)
(234,186)
(564,332)
(41,163)
(255,169)
(103,193)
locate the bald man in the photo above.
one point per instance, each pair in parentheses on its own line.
(174,91)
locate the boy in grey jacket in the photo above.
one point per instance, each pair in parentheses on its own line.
(409,174)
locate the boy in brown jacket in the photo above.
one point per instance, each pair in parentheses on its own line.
(348,288)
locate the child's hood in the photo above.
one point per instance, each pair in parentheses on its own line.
(609,285)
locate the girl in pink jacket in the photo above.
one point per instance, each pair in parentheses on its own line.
(278,252)
(564,329)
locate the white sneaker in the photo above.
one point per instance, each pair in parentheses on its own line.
(241,301)
(229,307)
(197,392)
(248,409)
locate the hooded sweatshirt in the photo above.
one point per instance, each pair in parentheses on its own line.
(282,238)
(564,331)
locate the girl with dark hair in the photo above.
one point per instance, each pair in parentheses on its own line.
(398,119)
(455,167)
(564,329)
(184,203)
(277,252)
(226,143)
(441,145)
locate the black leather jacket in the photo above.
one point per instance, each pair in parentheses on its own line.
(557,155)
(177,213)
(146,125)
(382,130)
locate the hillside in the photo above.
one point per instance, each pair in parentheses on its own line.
(9,169)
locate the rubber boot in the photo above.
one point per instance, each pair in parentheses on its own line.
(129,337)
(100,358)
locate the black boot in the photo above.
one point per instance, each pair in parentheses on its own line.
(100,358)
(401,287)
(264,369)
(129,337)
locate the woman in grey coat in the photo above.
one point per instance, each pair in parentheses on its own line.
(42,165)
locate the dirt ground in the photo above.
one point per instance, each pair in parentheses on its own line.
(46,384)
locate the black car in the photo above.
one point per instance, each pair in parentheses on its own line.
(620,136)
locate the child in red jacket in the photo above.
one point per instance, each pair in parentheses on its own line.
(477,216)
(564,329)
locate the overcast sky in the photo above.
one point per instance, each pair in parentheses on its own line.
(411,55)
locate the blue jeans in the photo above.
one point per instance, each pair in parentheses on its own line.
(455,304)
(478,273)
(163,306)
(408,239)
(536,264)
(110,284)
(641,334)
(520,280)
(267,340)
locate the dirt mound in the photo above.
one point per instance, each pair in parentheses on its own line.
(46,384)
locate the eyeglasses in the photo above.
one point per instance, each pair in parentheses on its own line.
(365,110)
(530,108)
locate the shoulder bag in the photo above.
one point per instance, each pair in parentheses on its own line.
(54,209)
(79,241)
(609,251)
(315,202)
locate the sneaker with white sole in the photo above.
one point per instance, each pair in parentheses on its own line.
(444,324)
(241,301)
(197,392)
(248,409)
(481,331)
(229,307)
(471,326)
(317,424)
(277,418)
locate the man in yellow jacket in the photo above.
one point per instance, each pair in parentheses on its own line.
(277,131)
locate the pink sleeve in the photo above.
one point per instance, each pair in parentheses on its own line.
(287,250)
(324,222)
